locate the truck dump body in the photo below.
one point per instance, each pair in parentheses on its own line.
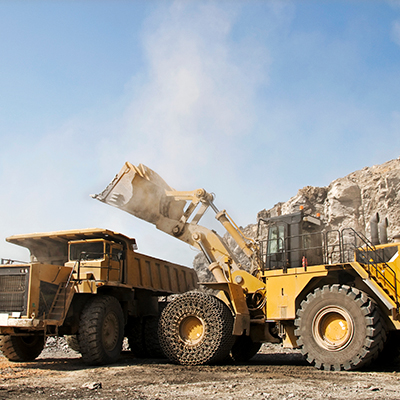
(137,270)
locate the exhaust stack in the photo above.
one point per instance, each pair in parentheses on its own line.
(383,230)
(374,229)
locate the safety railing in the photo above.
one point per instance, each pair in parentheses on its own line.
(331,247)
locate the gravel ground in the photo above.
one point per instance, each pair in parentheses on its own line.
(274,373)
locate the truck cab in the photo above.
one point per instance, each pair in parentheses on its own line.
(97,259)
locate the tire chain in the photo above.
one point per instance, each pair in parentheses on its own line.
(218,327)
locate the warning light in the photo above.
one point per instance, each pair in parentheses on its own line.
(318,215)
(301,207)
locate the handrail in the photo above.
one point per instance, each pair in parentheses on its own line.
(349,243)
(375,261)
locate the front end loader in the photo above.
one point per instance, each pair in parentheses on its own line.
(334,295)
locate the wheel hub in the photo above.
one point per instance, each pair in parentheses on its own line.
(110,331)
(333,328)
(191,330)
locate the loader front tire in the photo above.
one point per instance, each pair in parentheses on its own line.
(339,328)
(21,348)
(101,330)
(196,329)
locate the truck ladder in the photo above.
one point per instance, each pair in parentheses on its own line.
(61,302)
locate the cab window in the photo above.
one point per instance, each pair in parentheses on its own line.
(86,251)
(276,239)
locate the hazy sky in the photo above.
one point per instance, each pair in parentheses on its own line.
(251,100)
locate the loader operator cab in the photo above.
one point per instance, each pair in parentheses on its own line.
(290,241)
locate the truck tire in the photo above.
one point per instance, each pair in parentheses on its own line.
(196,329)
(142,334)
(135,333)
(244,349)
(339,328)
(72,342)
(21,348)
(101,330)
(151,339)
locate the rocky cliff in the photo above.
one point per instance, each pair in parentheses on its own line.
(347,202)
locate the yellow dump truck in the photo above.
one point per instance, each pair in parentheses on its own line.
(333,294)
(89,285)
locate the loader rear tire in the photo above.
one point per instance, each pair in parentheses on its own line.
(391,350)
(244,349)
(101,330)
(21,348)
(339,328)
(196,329)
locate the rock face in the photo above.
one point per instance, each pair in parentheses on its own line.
(347,202)
(353,200)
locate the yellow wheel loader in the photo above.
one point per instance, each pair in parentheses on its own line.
(333,294)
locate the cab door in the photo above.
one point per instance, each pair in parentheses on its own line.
(276,247)
(114,256)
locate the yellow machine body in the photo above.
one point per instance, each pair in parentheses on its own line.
(66,264)
(303,286)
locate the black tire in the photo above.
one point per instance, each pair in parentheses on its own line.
(142,334)
(72,342)
(151,339)
(21,348)
(101,330)
(244,349)
(391,350)
(196,329)
(134,331)
(339,328)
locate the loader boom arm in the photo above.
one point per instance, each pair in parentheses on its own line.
(143,193)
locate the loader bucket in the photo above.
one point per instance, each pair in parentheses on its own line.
(141,192)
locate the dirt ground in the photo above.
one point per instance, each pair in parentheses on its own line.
(274,373)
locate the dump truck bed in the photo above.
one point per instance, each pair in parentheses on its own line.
(141,271)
